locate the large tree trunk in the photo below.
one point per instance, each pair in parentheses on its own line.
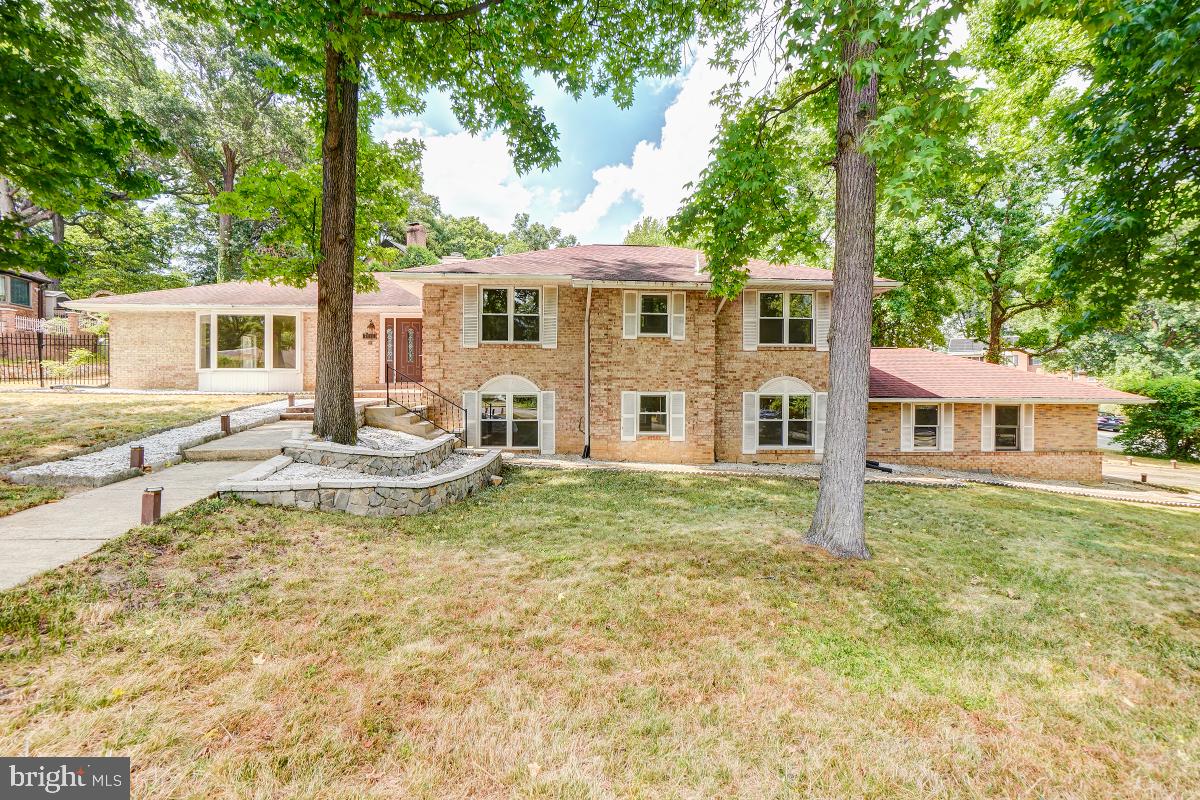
(225,221)
(838,524)
(995,343)
(335,418)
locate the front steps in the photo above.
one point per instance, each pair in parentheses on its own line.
(302,410)
(398,418)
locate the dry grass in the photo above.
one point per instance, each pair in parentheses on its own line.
(578,635)
(40,425)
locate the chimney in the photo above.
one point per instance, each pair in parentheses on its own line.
(414,235)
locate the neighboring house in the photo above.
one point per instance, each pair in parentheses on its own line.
(617,352)
(975,350)
(249,336)
(22,296)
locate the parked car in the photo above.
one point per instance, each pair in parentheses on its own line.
(1109,422)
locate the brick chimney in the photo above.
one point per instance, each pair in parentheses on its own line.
(414,235)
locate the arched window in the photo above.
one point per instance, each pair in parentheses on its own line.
(786,414)
(509,407)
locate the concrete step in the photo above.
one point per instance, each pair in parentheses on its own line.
(255,444)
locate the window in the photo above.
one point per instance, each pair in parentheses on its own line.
(654,317)
(206,343)
(283,338)
(511,315)
(3,288)
(18,292)
(925,427)
(240,342)
(785,318)
(508,420)
(652,414)
(785,420)
(1008,428)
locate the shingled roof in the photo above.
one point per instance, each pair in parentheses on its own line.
(911,373)
(252,294)
(614,263)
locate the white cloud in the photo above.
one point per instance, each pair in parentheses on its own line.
(473,176)
(655,174)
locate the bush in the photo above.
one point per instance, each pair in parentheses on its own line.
(1168,427)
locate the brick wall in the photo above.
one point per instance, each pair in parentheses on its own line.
(1064,439)
(451,369)
(366,351)
(9,311)
(152,349)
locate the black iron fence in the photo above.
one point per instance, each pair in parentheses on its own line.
(37,358)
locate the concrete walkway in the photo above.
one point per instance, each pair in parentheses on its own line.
(256,444)
(44,537)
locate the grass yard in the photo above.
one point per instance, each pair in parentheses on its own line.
(41,425)
(585,634)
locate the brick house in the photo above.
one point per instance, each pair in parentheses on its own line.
(620,353)
(22,296)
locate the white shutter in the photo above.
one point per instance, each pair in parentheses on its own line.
(546,423)
(677,421)
(549,317)
(629,329)
(820,405)
(946,427)
(749,322)
(678,314)
(1027,426)
(822,305)
(987,428)
(906,427)
(749,422)
(470,305)
(471,407)
(628,416)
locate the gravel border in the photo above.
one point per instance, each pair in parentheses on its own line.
(110,463)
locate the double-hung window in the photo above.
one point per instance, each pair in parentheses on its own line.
(925,427)
(511,315)
(785,420)
(652,414)
(508,420)
(1008,428)
(785,318)
(654,314)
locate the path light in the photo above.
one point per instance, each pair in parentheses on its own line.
(137,457)
(291,401)
(226,428)
(1129,460)
(1143,477)
(151,505)
(1174,464)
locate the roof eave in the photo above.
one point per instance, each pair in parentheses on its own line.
(1083,401)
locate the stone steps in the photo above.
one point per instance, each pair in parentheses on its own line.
(396,418)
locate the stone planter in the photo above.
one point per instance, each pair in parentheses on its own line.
(369,461)
(369,496)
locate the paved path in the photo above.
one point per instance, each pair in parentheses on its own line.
(256,444)
(44,537)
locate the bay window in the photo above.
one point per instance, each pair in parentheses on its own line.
(240,342)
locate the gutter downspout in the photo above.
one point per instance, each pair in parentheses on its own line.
(587,375)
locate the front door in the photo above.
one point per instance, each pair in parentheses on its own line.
(402,347)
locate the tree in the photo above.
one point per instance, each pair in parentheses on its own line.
(62,150)
(874,80)
(123,250)
(648,231)
(1130,135)
(482,52)
(1170,426)
(1153,337)
(526,236)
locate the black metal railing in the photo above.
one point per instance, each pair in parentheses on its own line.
(418,399)
(38,358)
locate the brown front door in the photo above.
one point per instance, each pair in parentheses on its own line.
(402,347)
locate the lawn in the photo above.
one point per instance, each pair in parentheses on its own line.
(584,634)
(42,425)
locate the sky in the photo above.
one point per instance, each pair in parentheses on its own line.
(617,165)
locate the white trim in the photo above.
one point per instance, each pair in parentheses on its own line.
(1027,431)
(1041,401)
(676,416)
(471,411)
(509,384)
(546,421)
(640,313)
(678,310)
(470,316)
(749,423)
(629,409)
(786,419)
(268,343)
(638,432)
(946,427)
(511,314)
(937,435)
(987,427)
(510,419)
(749,319)
(821,402)
(906,427)
(548,306)
(881,284)
(822,314)
(786,308)
(629,315)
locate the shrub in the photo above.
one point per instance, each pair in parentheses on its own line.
(1168,427)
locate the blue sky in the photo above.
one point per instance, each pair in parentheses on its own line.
(617,165)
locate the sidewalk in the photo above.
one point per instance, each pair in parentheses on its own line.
(44,537)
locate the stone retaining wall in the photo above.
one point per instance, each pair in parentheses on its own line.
(366,497)
(369,461)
